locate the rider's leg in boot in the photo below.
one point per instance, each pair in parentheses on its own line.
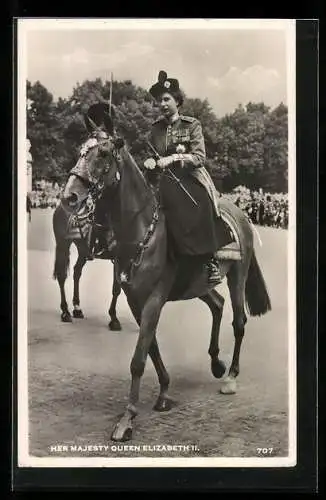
(91,244)
(101,245)
(100,223)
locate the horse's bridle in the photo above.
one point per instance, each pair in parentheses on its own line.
(98,187)
(98,183)
(142,245)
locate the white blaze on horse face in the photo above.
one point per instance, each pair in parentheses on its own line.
(102,134)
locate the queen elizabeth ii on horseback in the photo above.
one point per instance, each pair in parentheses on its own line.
(187,191)
(143,224)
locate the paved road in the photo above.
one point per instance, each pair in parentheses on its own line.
(79,373)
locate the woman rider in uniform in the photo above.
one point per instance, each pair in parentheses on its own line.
(193,219)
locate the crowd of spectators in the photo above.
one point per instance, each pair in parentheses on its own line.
(45,194)
(264,209)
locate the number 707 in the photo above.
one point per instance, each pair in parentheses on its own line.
(265,451)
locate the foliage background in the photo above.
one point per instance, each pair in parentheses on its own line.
(246,147)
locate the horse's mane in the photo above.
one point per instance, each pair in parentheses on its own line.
(132,205)
(135,182)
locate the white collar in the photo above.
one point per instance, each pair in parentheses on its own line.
(173,118)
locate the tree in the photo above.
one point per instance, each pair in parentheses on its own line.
(248,146)
(41,126)
(252,147)
(275,175)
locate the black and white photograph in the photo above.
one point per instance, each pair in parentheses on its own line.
(156,235)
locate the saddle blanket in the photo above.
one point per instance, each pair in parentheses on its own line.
(231,251)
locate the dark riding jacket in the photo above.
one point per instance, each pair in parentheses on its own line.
(184,137)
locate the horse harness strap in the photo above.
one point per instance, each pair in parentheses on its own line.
(95,189)
(141,247)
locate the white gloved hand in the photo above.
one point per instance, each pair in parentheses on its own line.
(165,162)
(150,163)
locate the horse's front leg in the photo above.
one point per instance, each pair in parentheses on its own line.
(114,323)
(148,323)
(163,402)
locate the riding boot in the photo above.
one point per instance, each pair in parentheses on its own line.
(91,244)
(214,272)
(101,250)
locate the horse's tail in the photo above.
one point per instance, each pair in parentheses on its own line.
(256,294)
(62,260)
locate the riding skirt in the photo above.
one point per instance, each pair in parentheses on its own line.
(194,228)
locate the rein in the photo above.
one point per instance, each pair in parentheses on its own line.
(96,189)
(135,262)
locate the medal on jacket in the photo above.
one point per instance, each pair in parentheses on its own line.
(180,149)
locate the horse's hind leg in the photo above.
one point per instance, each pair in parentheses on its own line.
(78,268)
(114,323)
(236,283)
(215,302)
(60,273)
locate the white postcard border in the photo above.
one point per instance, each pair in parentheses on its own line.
(26,460)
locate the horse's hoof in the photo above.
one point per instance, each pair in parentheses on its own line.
(78,313)
(121,434)
(229,386)
(115,325)
(163,404)
(218,368)
(66,317)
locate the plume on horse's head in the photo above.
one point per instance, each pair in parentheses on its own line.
(99,115)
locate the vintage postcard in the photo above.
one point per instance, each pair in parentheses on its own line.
(156,187)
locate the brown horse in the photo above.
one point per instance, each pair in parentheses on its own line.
(151,275)
(77,205)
